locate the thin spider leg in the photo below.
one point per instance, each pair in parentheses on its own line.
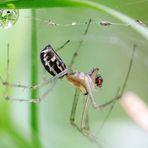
(109,112)
(128,71)
(110,102)
(94,103)
(84,129)
(62,46)
(118,96)
(36,86)
(84,121)
(8,60)
(73,112)
(79,45)
(7,68)
(35,100)
(125,81)
(74,106)
(39,99)
(7,72)
(87,122)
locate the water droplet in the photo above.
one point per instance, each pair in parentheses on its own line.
(73,23)
(8,17)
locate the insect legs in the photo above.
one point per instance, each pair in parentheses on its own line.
(52,81)
(125,81)
(84,125)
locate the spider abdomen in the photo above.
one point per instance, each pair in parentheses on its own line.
(51,61)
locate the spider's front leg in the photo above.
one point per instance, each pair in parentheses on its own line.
(98,82)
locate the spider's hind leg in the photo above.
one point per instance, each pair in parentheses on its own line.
(5,82)
(52,81)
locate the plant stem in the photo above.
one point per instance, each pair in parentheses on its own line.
(34,80)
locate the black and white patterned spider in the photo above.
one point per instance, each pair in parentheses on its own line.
(84,82)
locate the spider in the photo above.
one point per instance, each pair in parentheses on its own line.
(84,83)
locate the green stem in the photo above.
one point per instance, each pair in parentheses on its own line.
(34,80)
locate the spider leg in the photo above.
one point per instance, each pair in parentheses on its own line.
(62,46)
(97,106)
(84,120)
(128,71)
(7,68)
(87,122)
(119,91)
(35,100)
(90,99)
(74,106)
(113,102)
(79,45)
(84,127)
(73,112)
(94,103)
(51,81)
(36,86)
(117,97)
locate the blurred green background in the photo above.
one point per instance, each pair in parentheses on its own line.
(108,48)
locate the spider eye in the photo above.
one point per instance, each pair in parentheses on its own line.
(99,81)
